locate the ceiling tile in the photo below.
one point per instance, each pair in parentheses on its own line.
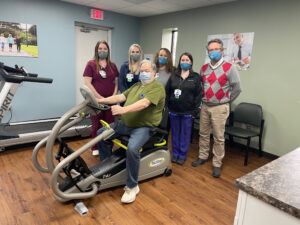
(138,11)
(109,5)
(142,8)
(186,2)
(137,2)
(162,4)
(80,2)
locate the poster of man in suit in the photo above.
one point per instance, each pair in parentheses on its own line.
(237,48)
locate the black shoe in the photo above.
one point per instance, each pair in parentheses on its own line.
(180,161)
(198,162)
(216,172)
(174,159)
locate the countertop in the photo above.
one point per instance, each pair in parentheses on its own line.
(276,183)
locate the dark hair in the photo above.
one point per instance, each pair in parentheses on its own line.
(169,65)
(190,57)
(216,40)
(96,56)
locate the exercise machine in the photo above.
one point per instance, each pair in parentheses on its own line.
(28,131)
(72,179)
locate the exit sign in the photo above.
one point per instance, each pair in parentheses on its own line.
(97,14)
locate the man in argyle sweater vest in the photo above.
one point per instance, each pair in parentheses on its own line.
(221,85)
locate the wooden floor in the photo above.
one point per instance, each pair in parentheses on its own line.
(189,196)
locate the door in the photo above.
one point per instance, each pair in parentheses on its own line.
(86,39)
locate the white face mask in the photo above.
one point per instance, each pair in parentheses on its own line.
(145,77)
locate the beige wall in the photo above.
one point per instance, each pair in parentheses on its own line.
(274,77)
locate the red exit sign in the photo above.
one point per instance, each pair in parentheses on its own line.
(97,14)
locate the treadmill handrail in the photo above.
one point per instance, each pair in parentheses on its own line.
(16,78)
(16,75)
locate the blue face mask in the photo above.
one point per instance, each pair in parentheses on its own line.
(185,66)
(162,60)
(145,77)
(215,56)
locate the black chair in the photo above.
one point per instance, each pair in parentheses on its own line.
(247,122)
(195,127)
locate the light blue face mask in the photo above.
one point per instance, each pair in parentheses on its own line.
(215,56)
(185,66)
(162,60)
(145,77)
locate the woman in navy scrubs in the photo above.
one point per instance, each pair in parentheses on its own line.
(129,72)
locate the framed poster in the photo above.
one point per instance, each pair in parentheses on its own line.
(18,39)
(237,48)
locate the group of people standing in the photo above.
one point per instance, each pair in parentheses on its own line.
(10,41)
(146,89)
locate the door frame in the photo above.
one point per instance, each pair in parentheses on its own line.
(98,27)
(93,28)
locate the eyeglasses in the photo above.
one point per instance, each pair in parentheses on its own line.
(215,49)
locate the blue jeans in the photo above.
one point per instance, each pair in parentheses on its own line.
(137,138)
(181,126)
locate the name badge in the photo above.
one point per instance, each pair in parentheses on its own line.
(129,77)
(177,93)
(102,73)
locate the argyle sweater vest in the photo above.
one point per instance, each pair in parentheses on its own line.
(217,83)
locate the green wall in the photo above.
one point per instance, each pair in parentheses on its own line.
(273,79)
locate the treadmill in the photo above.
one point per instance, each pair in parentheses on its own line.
(17,133)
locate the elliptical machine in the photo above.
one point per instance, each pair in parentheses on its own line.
(72,179)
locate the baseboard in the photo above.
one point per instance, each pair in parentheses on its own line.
(265,154)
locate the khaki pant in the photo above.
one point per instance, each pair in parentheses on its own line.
(213,118)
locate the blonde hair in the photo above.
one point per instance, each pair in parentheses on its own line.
(134,66)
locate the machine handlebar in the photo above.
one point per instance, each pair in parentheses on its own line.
(18,75)
(88,95)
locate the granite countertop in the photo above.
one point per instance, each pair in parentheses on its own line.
(276,183)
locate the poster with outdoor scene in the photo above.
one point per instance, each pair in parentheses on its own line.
(18,39)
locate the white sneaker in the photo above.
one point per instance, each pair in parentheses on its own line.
(95,152)
(130,194)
